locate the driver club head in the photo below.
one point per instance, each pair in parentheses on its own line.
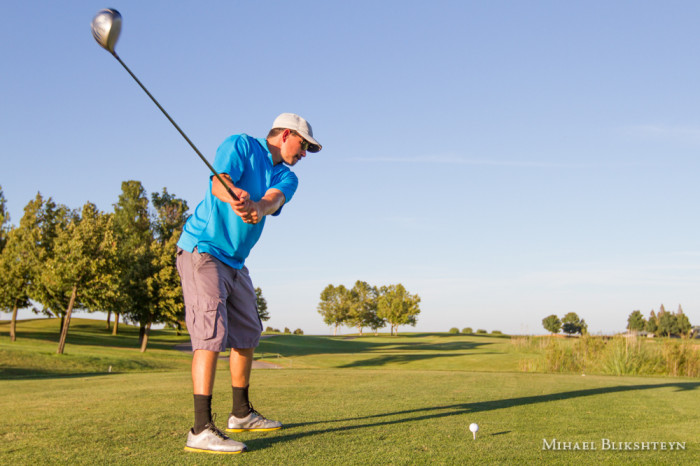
(106,26)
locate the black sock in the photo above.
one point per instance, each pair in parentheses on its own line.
(202,412)
(241,405)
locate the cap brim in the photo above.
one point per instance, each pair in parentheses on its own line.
(314,145)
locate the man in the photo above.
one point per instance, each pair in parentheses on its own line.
(220,301)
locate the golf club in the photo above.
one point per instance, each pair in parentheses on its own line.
(106,26)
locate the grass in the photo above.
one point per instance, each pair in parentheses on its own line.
(359,401)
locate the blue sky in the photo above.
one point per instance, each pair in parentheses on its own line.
(504,160)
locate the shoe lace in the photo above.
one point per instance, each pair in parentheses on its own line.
(212,427)
(253,410)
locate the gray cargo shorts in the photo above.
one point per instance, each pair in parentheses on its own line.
(220,303)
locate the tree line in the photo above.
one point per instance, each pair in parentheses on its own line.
(367,306)
(571,324)
(662,324)
(121,262)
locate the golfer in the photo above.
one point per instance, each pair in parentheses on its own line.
(220,301)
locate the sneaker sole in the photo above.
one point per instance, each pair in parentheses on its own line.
(199,450)
(253,430)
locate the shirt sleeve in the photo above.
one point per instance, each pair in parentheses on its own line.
(230,157)
(286,181)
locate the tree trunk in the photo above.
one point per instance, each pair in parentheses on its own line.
(335,330)
(116,324)
(66,323)
(13,324)
(360,329)
(144,341)
(109,318)
(142,331)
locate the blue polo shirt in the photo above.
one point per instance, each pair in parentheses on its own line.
(214,228)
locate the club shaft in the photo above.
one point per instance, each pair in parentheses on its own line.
(216,174)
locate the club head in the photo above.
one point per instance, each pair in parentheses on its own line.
(106,26)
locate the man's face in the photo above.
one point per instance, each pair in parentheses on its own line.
(293,147)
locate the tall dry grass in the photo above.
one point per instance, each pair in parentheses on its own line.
(621,355)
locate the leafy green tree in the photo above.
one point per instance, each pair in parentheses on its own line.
(571,324)
(132,228)
(334,306)
(552,324)
(262,305)
(636,322)
(668,324)
(164,304)
(397,306)
(43,221)
(27,247)
(467,330)
(363,308)
(652,325)
(81,271)
(15,277)
(684,326)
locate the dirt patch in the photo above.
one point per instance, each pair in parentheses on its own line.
(187,348)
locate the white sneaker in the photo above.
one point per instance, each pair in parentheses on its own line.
(212,440)
(253,422)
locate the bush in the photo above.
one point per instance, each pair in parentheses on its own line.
(496,332)
(286,330)
(481,331)
(272,330)
(467,330)
(454,330)
(298,332)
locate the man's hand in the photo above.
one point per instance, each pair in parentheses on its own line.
(250,211)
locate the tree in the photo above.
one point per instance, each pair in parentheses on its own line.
(652,325)
(668,325)
(81,271)
(334,306)
(262,305)
(43,221)
(15,277)
(552,324)
(636,322)
(363,307)
(397,306)
(684,326)
(571,324)
(132,227)
(163,302)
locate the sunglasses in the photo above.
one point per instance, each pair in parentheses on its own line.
(304,143)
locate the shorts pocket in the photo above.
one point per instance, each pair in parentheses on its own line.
(206,317)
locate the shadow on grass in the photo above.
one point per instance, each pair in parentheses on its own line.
(290,345)
(12,373)
(403,359)
(434,412)
(85,335)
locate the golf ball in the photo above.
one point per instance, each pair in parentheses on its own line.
(474,427)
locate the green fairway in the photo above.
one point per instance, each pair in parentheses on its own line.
(410,408)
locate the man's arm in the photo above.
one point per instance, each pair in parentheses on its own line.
(250,211)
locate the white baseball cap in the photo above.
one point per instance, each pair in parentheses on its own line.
(296,123)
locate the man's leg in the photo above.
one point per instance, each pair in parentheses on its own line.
(203,373)
(206,331)
(241,363)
